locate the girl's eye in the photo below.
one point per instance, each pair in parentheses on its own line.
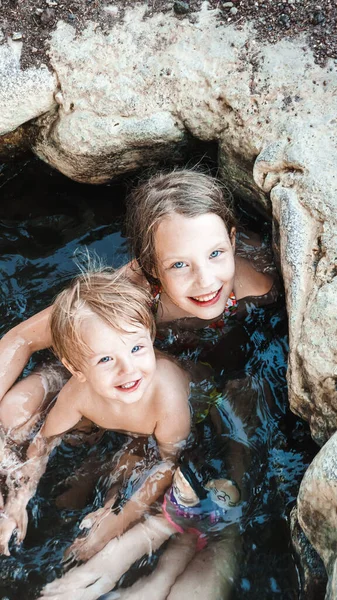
(179,265)
(215,253)
(105,359)
(136,349)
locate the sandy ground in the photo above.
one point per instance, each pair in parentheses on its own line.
(33,20)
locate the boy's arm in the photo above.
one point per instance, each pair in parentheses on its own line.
(23,482)
(18,345)
(174,416)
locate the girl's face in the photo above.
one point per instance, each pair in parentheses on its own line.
(195,264)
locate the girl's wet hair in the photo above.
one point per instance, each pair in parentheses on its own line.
(109,295)
(185,192)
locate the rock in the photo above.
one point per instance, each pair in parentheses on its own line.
(227,5)
(318,18)
(17,36)
(285,21)
(312,571)
(47,16)
(317,509)
(24,95)
(181,8)
(234,11)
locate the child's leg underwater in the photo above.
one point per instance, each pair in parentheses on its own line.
(210,574)
(101,573)
(172,563)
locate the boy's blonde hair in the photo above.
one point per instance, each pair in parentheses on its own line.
(108,294)
(185,192)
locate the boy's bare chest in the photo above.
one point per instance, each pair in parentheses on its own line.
(132,420)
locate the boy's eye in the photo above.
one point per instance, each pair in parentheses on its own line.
(215,253)
(179,265)
(136,349)
(105,359)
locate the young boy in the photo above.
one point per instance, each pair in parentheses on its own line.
(102,331)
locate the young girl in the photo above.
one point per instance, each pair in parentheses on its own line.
(182,234)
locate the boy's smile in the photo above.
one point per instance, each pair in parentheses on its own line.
(121,364)
(195,257)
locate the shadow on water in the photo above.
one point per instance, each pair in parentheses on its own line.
(44,217)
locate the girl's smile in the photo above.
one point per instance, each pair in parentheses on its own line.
(207,299)
(195,258)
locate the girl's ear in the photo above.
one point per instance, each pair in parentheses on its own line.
(232,235)
(78,374)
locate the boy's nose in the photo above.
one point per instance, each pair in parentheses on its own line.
(125,366)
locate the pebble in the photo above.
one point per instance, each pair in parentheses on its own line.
(47,16)
(227,5)
(51,3)
(284,20)
(71,17)
(234,11)
(38,11)
(181,8)
(318,18)
(17,35)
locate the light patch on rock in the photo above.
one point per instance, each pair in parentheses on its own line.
(24,95)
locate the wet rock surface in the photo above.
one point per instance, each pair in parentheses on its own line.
(312,571)
(317,509)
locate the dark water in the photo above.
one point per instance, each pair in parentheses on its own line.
(43,218)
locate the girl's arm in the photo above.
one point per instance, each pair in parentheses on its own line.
(18,345)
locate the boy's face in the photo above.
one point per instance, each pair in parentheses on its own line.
(122,364)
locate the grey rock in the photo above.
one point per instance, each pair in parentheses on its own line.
(181,8)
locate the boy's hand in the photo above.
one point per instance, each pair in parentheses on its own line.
(13,518)
(105,528)
(7,528)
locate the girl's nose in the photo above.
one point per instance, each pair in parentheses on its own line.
(204,277)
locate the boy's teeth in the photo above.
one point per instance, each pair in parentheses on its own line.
(205,298)
(128,385)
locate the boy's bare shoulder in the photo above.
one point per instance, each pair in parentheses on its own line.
(72,392)
(167,365)
(172,381)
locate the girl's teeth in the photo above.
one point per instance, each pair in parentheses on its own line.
(205,298)
(128,385)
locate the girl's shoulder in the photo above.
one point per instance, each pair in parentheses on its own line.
(248,281)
